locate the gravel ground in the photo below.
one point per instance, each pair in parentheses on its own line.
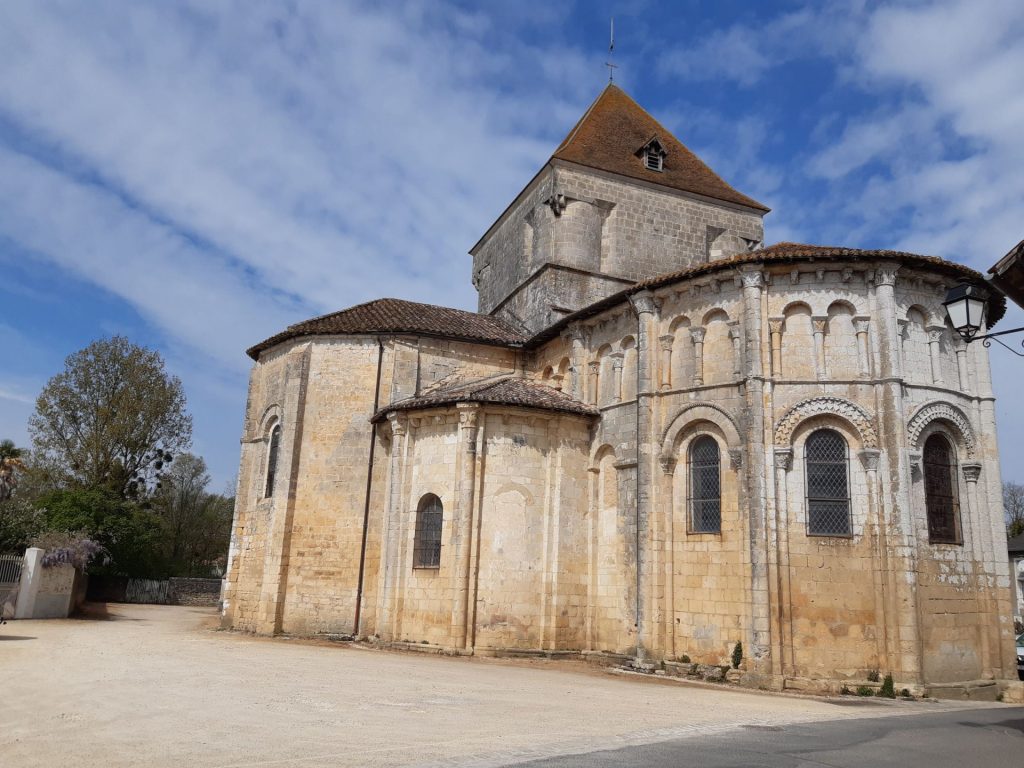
(158,686)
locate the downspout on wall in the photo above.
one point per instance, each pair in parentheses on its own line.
(369,488)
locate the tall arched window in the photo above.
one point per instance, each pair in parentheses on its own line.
(426,550)
(828,486)
(940,491)
(705,486)
(272,453)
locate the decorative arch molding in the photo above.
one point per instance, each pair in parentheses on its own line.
(860,419)
(941,410)
(598,453)
(271,415)
(699,412)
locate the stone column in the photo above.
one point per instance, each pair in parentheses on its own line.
(861,324)
(884,611)
(820,324)
(666,504)
(697,334)
(934,351)
(775,327)
(577,363)
(735,335)
(649,531)
(390,550)
(617,377)
(666,360)
(594,380)
(782,620)
(755,504)
(961,364)
(972,517)
(901,346)
(462,529)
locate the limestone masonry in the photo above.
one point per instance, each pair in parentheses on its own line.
(657,438)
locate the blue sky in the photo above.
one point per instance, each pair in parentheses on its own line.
(197,175)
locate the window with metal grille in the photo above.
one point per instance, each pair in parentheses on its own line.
(705,486)
(828,488)
(426,550)
(940,491)
(275,446)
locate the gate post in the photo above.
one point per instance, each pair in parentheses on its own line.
(31,575)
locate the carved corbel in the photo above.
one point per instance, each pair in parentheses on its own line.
(668,464)
(971,470)
(869,459)
(914,460)
(736,459)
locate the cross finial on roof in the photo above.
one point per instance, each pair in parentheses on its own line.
(611,47)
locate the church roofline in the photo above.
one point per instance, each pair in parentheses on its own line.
(779,253)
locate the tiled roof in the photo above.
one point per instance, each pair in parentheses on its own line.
(782,253)
(504,390)
(615,128)
(398,316)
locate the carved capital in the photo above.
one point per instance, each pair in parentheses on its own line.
(869,459)
(783,458)
(820,323)
(668,464)
(861,323)
(914,460)
(736,458)
(752,279)
(645,303)
(666,342)
(886,274)
(776,324)
(935,332)
(972,471)
(697,334)
(617,360)
(468,414)
(734,330)
(399,424)
(594,366)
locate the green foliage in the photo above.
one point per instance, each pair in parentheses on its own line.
(684,659)
(130,534)
(737,655)
(865,690)
(845,691)
(905,693)
(887,691)
(111,419)
(1013,507)
(874,676)
(20,523)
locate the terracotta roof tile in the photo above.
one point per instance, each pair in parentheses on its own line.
(504,390)
(615,128)
(398,316)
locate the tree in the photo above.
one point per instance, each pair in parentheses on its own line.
(197,524)
(111,419)
(10,465)
(1013,507)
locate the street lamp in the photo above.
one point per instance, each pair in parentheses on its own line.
(967,308)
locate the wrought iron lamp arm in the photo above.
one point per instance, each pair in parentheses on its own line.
(988,338)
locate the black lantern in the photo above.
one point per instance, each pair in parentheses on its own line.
(966,306)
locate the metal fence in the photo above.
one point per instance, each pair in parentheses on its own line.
(10,569)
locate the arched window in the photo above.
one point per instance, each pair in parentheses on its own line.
(426,550)
(828,487)
(940,491)
(272,453)
(705,486)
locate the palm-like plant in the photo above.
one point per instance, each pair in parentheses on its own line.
(10,461)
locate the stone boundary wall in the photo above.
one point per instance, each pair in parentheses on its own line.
(172,591)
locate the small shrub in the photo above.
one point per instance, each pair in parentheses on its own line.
(999,697)
(865,690)
(737,655)
(684,659)
(873,676)
(887,691)
(905,693)
(845,691)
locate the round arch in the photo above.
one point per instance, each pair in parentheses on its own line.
(692,414)
(859,419)
(951,416)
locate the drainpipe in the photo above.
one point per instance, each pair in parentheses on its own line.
(369,486)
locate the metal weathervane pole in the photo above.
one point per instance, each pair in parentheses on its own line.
(611,47)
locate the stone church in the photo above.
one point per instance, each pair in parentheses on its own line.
(657,438)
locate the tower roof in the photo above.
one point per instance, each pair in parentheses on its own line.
(615,129)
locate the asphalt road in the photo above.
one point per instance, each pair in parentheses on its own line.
(976,738)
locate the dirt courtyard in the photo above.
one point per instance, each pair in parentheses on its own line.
(158,686)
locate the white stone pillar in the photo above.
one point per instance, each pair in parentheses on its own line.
(820,324)
(697,334)
(735,335)
(782,637)
(617,377)
(666,360)
(390,550)
(775,328)
(963,374)
(577,361)
(462,530)
(31,578)
(861,325)
(934,351)
(594,380)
